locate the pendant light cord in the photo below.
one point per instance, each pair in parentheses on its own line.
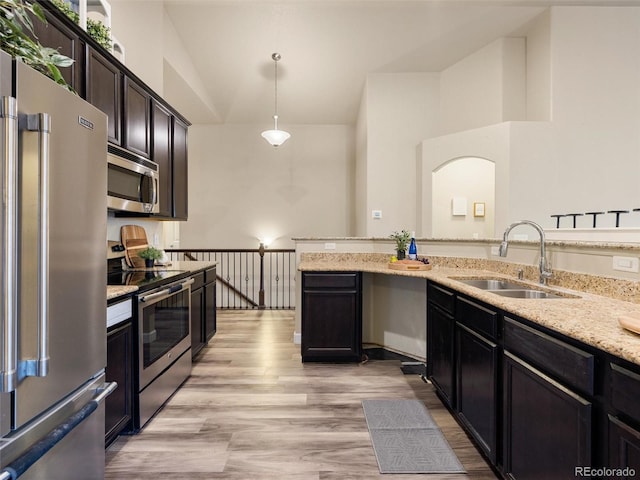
(276,57)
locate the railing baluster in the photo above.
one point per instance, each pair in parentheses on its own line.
(249,278)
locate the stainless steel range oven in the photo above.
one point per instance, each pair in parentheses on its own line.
(164,344)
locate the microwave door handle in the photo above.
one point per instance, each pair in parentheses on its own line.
(8,262)
(154,182)
(39,367)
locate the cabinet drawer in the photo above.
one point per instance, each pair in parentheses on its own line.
(569,364)
(330,280)
(210,275)
(442,297)
(476,317)
(625,391)
(198,281)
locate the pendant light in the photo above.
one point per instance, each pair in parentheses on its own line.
(276,137)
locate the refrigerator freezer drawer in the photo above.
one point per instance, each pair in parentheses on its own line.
(79,451)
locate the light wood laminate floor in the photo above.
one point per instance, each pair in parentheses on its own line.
(252,410)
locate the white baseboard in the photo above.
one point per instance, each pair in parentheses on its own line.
(297,338)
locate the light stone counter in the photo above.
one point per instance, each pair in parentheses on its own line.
(592,318)
(115,291)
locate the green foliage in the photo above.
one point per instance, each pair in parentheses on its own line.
(100,33)
(96,30)
(402,239)
(150,253)
(16,38)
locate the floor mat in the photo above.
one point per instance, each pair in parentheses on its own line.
(406,439)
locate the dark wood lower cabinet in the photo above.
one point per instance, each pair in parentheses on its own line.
(477,391)
(119,405)
(203,310)
(624,445)
(331,317)
(210,305)
(547,428)
(197,309)
(441,352)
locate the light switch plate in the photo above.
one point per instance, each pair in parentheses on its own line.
(376,214)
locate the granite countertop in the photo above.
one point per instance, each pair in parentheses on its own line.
(115,291)
(590,318)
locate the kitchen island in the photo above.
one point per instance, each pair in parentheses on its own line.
(587,317)
(514,371)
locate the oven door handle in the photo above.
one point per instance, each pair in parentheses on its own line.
(165,292)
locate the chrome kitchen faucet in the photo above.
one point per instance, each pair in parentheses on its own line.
(545,270)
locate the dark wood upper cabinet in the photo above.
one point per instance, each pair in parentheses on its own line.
(103,90)
(55,34)
(162,121)
(137,118)
(180,170)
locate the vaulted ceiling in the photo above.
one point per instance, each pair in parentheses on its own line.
(329,46)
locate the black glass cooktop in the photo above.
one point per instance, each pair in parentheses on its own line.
(143,279)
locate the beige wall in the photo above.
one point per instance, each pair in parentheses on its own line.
(242,190)
(575,147)
(401,110)
(484,88)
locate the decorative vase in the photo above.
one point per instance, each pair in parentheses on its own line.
(400,255)
(148,262)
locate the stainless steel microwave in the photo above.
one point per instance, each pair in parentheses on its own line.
(132,182)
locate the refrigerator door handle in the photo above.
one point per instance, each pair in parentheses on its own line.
(42,446)
(39,367)
(9,242)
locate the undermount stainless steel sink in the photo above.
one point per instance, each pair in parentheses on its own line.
(506,288)
(527,293)
(492,284)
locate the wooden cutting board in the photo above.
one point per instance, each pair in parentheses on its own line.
(134,239)
(409,265)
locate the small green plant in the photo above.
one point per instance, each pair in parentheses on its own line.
(150,253)
(17,39)
(402,239)
(96,30)
(100,33)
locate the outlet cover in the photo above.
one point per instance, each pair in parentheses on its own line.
(626,264)
(330,246)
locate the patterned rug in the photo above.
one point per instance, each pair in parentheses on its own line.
(406,439)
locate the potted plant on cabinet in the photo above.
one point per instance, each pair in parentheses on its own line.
(150,255)
(16,38)
(402,239)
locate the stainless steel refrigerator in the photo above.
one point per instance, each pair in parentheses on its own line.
(53,279)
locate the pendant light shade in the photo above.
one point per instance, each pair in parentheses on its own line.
(276,137)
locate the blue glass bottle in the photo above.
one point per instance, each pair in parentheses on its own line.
(413,250)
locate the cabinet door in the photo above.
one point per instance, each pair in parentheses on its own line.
(54,34)
(180,171)
(104,87)
(329,330)
(197,312)
(118,405)
(210,311)
(624,445)
(440,352)
(477,382)
(137,118)
(161,154)
(547,428)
